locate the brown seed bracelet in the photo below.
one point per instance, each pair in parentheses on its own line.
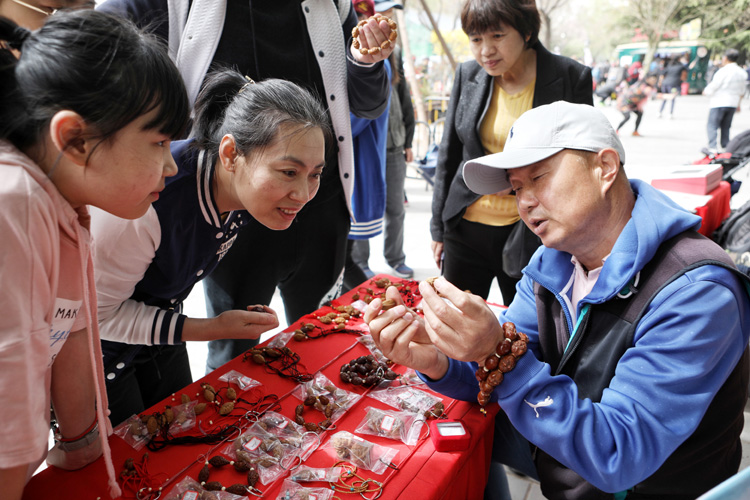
(383,46)
(323,405)
(490,374)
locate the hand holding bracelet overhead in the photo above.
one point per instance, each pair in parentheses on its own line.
(373,33)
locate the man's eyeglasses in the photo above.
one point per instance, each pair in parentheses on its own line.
(46,12)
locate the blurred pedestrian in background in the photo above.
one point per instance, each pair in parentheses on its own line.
(726,90)
(398,154)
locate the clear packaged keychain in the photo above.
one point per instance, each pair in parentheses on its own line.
(409,398)
(322,395)
(402,426)
(361,453)
(294,491)
(309,474)
(273,445)
(137,430)
(242,381)
(190,489)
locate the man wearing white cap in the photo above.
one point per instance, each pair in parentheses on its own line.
(636,374)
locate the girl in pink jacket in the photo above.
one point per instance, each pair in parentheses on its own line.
(89,106)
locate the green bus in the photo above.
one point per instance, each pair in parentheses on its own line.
(696,51)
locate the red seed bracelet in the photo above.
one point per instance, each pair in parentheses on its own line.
(490,375)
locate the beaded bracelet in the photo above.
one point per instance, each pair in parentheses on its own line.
(320,403)
(240,466)
(490,374)
(383,46)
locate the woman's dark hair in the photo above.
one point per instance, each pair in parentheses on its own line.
(479,16)
(95,64)
(252,112)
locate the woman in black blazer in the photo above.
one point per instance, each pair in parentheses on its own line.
(512,72)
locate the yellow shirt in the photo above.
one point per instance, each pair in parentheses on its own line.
(503,110)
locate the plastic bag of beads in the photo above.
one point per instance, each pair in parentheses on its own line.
(281,339)
(287,431)
(320,394)
(183,417)
(361,453)
(294,491)
(134,432)
(409,377)
(242,381)
(272,455)
(409,398)
(402,426)
(367,341)
(309,474)
(190,489)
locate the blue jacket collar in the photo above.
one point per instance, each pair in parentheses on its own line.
(655,219)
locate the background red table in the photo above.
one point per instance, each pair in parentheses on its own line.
(716,209)
(423,473)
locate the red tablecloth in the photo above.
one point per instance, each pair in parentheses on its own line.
(716,209)
(423,473)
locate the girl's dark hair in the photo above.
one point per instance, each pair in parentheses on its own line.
(95,64)
(252,112)
(479,16)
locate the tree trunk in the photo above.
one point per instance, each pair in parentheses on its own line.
(547,29)
(435,28)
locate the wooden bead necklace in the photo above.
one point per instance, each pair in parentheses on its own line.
(383,46)
(240,466)
(508,351)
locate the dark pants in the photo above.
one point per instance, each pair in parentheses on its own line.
(304,261)
(474,257)
(669,89)
(626,117)
(511,449)
(719,119)
(395,213)
(139,376)
(353,274)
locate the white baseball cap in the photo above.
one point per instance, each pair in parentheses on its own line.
(538,134)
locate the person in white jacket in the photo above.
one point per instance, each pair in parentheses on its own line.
(726,90)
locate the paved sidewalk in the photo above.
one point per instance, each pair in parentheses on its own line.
(663,143)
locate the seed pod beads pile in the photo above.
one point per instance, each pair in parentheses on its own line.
(408,289)
(508,351)
(366,371)
(337,318)
(383,46)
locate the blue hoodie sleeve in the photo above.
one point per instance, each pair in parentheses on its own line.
(688,342)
